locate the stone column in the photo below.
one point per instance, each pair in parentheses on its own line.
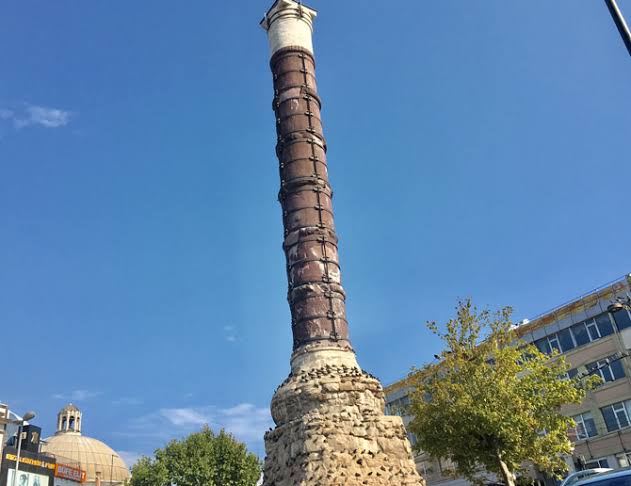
(330,426)
(315,293)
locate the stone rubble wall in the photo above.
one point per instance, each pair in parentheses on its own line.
(331,431)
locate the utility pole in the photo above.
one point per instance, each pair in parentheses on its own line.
(20,423)
(622,26)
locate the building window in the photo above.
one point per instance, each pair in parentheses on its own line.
(428,468)
(616,415)
(543,345)
(593,464)
(624,459)
(399,406)
(604,324)
(622,318)
(607,369)
(566,340)
(412,439)
(592,329)
(580,334)
(585,426)
(553,341)
(548,343)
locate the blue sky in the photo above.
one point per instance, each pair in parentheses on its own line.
(477,148)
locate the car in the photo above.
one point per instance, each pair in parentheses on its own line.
(619,477)
(584,474)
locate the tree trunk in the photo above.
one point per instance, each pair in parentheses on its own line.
(509,478)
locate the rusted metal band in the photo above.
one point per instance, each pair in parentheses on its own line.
(292,51)
(306,89)
(303,292)
(307,93)
(287,212)
(314,134)
(321,183)
(293,115)
(323,279)
(303,241)
(307,237)
(309,290)
(320,226)
(307,96)
(289,246)
(330,337)
(329,316)
(286,71)
(307,260)
(282,143)
(304,187)
(339,296)
(283,165)
(310,158)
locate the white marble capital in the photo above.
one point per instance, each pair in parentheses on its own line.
(289,24)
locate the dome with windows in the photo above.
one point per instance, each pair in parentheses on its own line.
(97,459)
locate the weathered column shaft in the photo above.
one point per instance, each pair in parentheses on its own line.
(315,293)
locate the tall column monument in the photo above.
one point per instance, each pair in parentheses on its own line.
(330,426)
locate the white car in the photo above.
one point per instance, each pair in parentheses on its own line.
(584,474)
(619,477)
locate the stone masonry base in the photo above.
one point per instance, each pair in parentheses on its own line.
(331,431)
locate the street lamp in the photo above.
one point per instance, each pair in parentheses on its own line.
(20,423)
(621,303)
(622,26)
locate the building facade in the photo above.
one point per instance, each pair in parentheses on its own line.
(98,463)
(593,340)
(35,467)
(4,421)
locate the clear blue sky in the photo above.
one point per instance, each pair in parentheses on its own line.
(477,148)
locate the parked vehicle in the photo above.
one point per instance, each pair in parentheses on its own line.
(584,474)
(619,477)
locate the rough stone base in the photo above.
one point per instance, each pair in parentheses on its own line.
(331,431)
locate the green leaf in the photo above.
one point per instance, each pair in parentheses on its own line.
(493,402)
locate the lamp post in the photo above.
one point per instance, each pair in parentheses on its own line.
(622,26)
(20,423)
(621,303)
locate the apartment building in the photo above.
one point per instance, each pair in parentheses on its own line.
(4,421)
(594,339)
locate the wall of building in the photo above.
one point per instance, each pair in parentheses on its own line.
(4,418)
(593,340)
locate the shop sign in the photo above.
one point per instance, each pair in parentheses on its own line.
(31,461)
(68,472)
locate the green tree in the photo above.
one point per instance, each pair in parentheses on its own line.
(201,459)
(149,473)
(492,401)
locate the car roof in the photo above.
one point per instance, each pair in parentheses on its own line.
(618,473)
(592,470)
(584,472)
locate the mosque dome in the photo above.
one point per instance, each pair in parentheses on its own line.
(96,458)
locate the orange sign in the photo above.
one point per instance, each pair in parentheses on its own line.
(69,472)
